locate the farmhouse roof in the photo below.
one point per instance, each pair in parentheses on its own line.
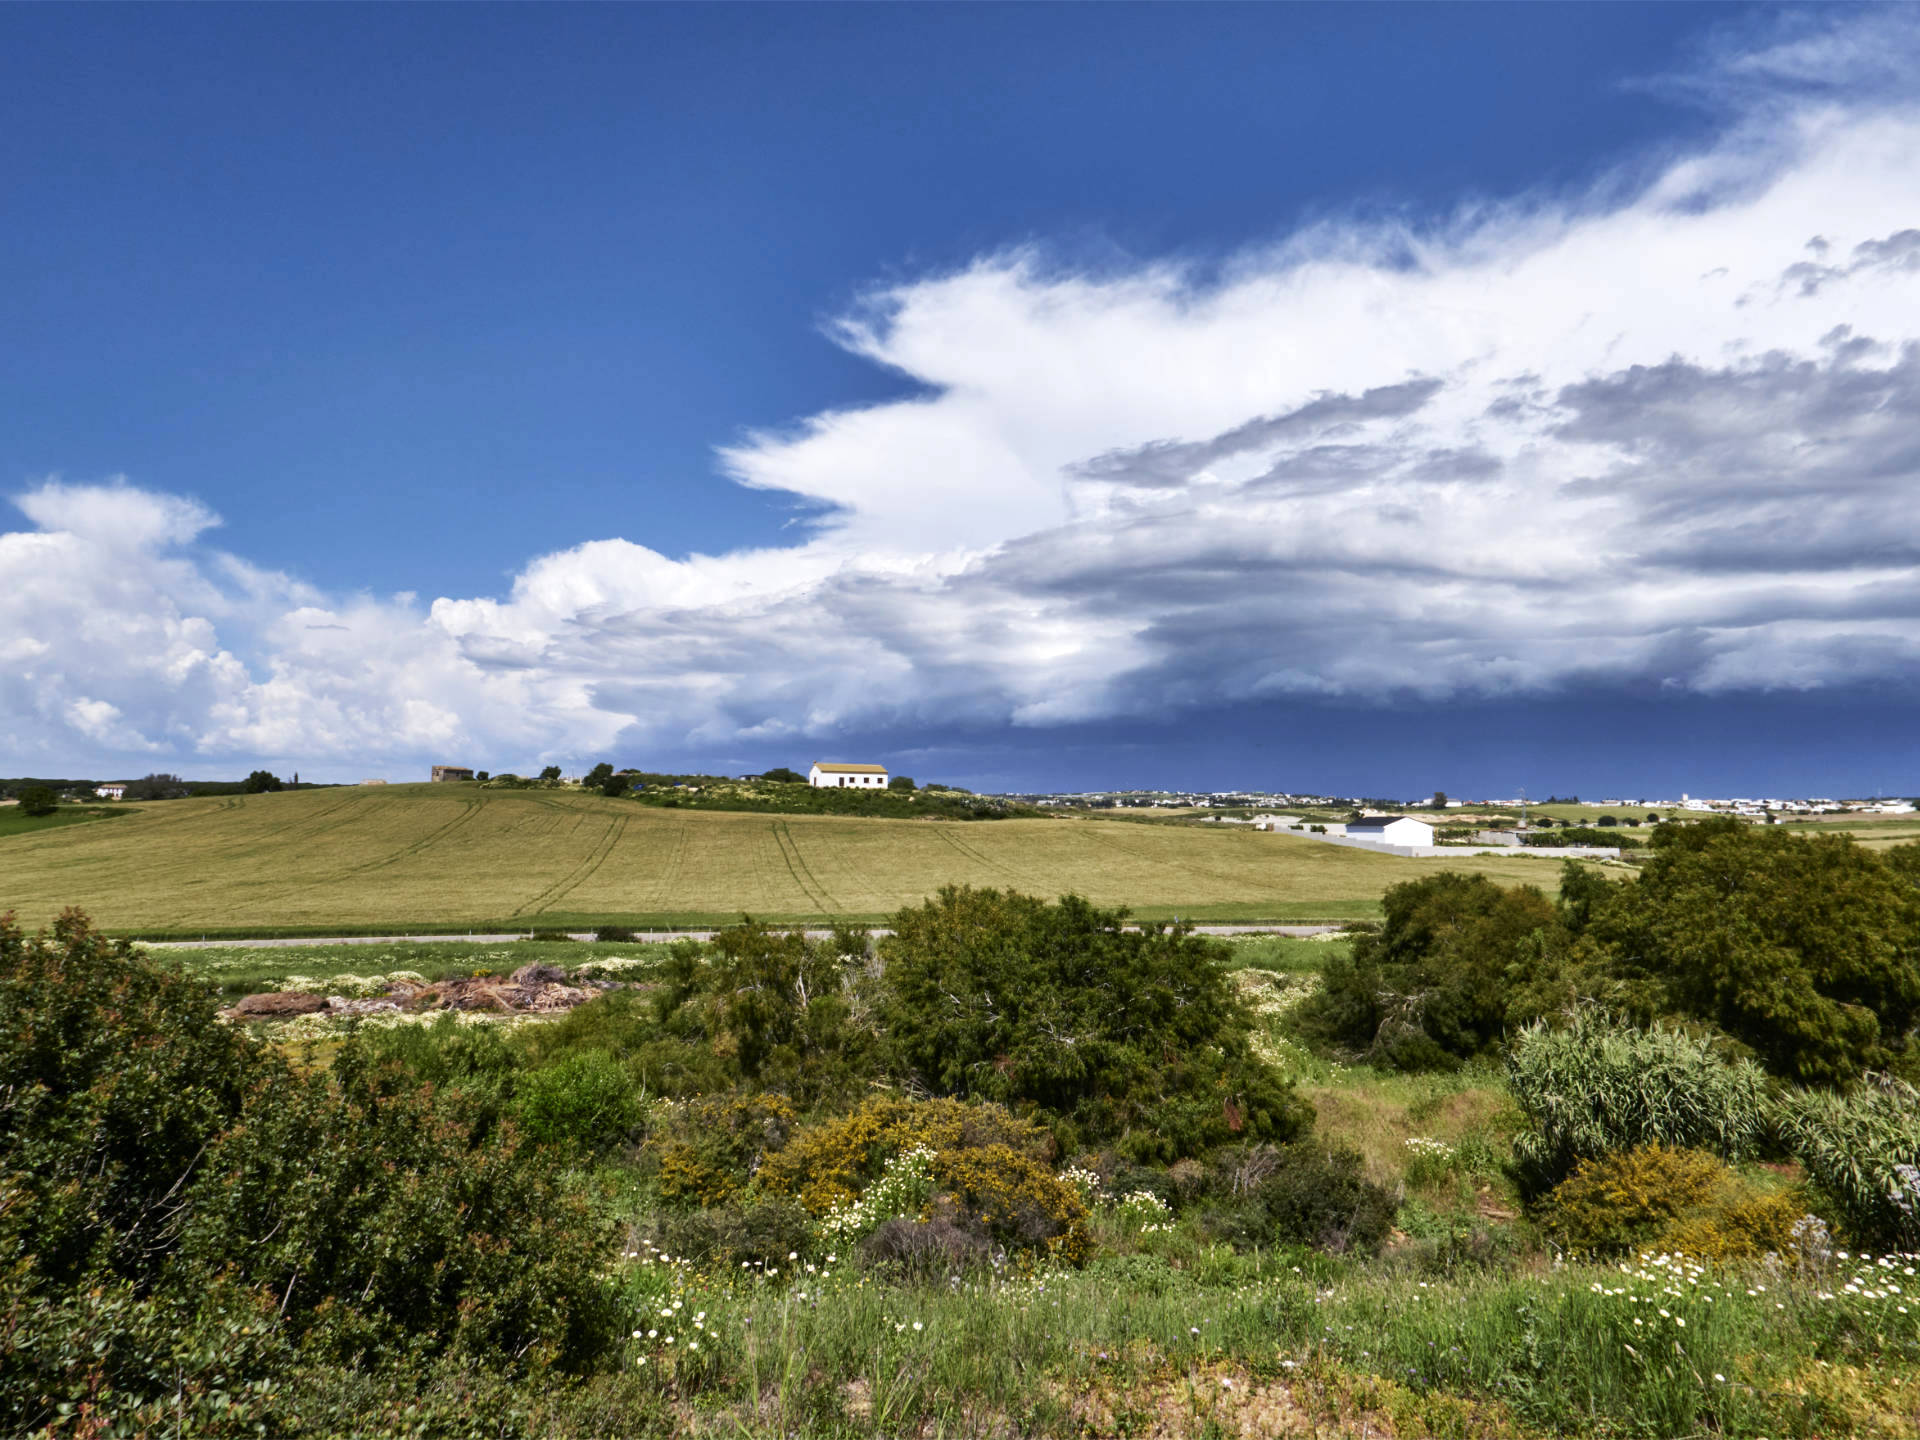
(1376,822)
(834,769)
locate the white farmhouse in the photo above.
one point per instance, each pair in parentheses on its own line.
(1393,829)
(827,776)
(112,792)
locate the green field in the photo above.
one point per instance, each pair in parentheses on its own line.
(15,821)
(419,858)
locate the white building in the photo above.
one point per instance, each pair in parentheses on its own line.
(826,776)
(111,792)
(1393,829)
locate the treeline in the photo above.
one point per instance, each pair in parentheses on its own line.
(780,792)
(155,786)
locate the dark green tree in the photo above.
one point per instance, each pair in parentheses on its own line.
(784,776)
(1132,1037)
(599,775)
(551,772)
(167,1175)
(38,800)
(614,786)
(262,781)
(1581,888)
(1458,963)
(1805,949)
(158,786)
(901,782)
(784,1001)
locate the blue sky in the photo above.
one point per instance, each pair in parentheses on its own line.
(731,386)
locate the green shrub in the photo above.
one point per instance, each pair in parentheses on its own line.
(1805,950)
(585,1100)
(766,1230)
(1863,1150)
(1598,1085)
(1130,1037)
(119,1076)
(38,800)
(1584,835)
(474,1062)
(770,1009)
(379,1219)
(180,1210)
(1304,1194)
(1458,963)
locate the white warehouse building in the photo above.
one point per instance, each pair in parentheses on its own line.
(1392,829)
(827,776)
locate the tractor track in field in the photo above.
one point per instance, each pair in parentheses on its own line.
(566,884)
(1013,877)
(668,880)
(797,867)
(469,809)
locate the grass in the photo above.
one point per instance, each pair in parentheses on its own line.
(1173,1337)
(454,857)
(15,821)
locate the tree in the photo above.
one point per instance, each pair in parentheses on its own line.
(599,775)
(1805,949)
(158,786)
(552,772)
(38,800)
(614,786)
(785,776)
(482,775)
(262,781)
(1581,888)
(901,782)
(1607,821)
(1439,799)
(1459,962)
(1131,1037)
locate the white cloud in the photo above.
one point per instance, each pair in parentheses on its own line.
(1661,432)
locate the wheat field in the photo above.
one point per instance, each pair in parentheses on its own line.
(456,855)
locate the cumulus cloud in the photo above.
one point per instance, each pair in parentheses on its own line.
(1666,433)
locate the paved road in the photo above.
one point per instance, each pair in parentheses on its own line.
(644,937)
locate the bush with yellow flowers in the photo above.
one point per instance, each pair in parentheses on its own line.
(1679,1200)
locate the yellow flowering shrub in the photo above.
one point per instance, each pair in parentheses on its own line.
(1743,1228)
(1672,1200)
(1018,1200)
(711,1146)
(831,1163)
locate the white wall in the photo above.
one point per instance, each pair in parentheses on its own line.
(830,780)
(1401,832)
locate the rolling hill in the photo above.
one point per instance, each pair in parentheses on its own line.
(448,857)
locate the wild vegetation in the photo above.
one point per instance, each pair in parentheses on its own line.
(1014,1168)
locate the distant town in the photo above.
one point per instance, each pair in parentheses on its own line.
(1258,799)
